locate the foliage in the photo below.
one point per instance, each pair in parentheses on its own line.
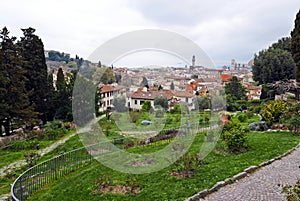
(104,75)
(292,117)
(187,165)
(172,87)
(242,117)
(36,71)
(144,82)
(57,56)
(236,89)
(203,102)
(295,45)
(273,110)
(292,192)
(31,158)
(146,106)
(161,101)
(235,137)
(15,106)
(274,64)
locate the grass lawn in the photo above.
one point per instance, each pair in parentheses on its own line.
(160,185)
(8,156)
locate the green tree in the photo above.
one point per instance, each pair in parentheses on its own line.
(203,102)
(50,104)
(275,63)
(161,101)
(60,80)
(236,89)
(84,91)
(16,106)
(144,82)
(172,87)
(36,70)
(295,48)
(104,75)
(146,106)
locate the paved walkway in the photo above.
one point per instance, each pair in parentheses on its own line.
(263,185)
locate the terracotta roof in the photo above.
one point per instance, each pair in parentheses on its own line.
(109,88)
(183,94)
(225,78)
(151,95)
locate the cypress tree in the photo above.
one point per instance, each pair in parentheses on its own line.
(36,70)
(19,111)
(295,47)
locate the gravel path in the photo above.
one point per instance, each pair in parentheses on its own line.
(263,185)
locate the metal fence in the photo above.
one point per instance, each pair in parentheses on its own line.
(39,175)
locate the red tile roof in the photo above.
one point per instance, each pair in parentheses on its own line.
(109,88)
(151,95)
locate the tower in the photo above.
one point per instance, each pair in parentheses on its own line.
(193,61)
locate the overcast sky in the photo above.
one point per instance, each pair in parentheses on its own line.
(223,29)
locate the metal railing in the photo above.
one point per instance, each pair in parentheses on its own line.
(41,174)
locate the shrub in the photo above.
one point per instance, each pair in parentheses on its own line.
(236,139)
(242,117)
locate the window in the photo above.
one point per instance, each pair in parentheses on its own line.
(142,102)
(186,99)
(107,102)
(135,102)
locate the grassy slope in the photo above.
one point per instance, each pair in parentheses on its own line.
(161,186)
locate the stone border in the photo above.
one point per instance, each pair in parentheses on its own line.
(245,173)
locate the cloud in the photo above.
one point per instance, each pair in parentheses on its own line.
(224,29)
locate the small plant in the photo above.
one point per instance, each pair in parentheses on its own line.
(292,192)
(187,165)
(236,139)
(31,158)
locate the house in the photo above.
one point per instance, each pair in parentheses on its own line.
(108,92)
(137,98)
(254,92)
(185,97)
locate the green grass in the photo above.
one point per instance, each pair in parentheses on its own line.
(160,185)
(8,156)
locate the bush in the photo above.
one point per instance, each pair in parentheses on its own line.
(235,137)
(242,117)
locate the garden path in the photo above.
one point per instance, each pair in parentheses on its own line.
(265,184)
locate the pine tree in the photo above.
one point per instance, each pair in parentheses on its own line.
(36,70)
(20,111)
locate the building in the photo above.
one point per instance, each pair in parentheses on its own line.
(137,98)
(186,98)
(108,92)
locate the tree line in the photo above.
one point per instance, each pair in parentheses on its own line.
(28,95)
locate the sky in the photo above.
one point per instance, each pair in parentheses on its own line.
(224,30)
